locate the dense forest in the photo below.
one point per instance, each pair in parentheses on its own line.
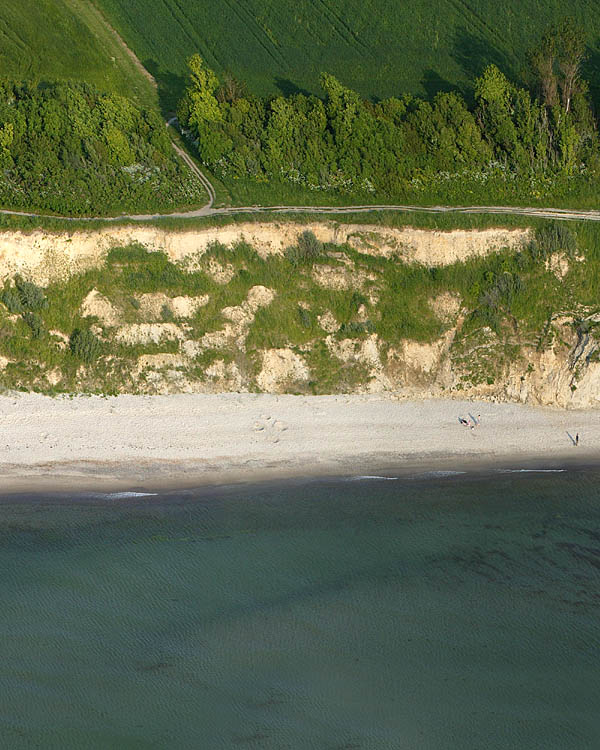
(67,148)
(510,144)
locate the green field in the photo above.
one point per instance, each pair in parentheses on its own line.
(377,47)
(66,40)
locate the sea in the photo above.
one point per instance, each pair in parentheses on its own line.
(424,611)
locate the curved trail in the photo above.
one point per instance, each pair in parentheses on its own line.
(208,209)
(206,183)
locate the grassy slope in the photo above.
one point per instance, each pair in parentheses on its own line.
(67,39)
(379,47)
(399,310)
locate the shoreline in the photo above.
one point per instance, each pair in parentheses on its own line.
(69,481)
(150,443)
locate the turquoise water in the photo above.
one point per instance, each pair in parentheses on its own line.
(422,613)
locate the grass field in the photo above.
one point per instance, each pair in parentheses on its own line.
(67,39)
(378,47)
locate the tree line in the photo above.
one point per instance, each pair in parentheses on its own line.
(521,138)
(69,148)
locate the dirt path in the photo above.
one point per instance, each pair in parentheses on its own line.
(195,169)
(563,214)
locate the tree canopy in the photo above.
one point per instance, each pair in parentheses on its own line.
(68,148)
(393,147)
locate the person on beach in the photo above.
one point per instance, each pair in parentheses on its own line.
(577,439)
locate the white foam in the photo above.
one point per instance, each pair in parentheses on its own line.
(440,474)
(363,477)
(124,495)
(530,471)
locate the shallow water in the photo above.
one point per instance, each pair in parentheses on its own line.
(432,612)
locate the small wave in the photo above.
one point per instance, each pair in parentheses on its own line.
(440,474)
(125,495)
(364,477)
(530,471)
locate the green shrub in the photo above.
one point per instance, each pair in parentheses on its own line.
(24,296)
(309,246)
(304,315)
(35,323)
(32,296)
(166,314)
(355,327)
(307,249)
(553,238)
(143,270)
(12,301)
(84,345)
(497,300)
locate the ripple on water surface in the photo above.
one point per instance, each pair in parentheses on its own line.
(450,612)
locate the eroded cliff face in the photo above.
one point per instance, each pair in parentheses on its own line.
(566,373)
(170,353)
(47,256)
(563,371)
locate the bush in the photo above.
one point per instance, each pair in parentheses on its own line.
(145,270)
(354,327)
(306,250)
(35,323)
(304,315)
(497,300)
(84,345)
(309,246)
(166,314)
(24,296)
(12,301)
(32,296)
(553,238)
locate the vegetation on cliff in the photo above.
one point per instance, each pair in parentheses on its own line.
(319,318)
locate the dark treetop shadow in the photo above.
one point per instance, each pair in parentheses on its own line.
(433,83)
(289,88)
(474,54)
(171,86)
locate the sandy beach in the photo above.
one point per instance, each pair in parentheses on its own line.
(144,442)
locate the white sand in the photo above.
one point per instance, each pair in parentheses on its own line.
(130,441)
(137,441)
